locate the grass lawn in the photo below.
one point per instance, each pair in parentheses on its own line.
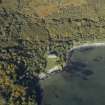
(51,63)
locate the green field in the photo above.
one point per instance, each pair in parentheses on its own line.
(52,62)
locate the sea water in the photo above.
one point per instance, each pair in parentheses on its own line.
(82,82)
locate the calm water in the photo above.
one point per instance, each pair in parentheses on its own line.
(82,84)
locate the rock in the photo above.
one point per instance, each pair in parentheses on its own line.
(42,75)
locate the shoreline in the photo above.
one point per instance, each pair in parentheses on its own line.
(52,71)
(56,69)
(97,44)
